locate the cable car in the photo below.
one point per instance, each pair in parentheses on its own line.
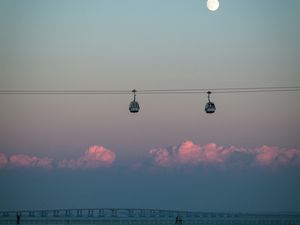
(134,106)
(210,106)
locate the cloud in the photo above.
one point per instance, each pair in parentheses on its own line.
(94,157)
(3,160)
(266,155)
(29,161)
(275,156)
(189,153)
(161,156)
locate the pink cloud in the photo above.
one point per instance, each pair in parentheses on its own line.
(29,161)
(266,155)
(3,160)
(276,156)
(188,152)
(161,156)
(95,156)
(193,154)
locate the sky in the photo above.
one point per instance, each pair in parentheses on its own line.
(88,151)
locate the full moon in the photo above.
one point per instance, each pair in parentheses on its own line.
(213,5)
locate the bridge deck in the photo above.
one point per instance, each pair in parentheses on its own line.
(141,217)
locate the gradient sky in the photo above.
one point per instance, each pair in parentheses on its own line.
(89,151)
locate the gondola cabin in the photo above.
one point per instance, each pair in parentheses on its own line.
(210,106)
(134,106)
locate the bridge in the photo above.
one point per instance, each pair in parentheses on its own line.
(142,217)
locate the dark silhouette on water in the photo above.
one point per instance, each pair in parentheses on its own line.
(18,219)
(178,221)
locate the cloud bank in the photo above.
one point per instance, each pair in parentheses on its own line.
(95,156)
(20,160)
(30,161)
(189,153)
(185,154)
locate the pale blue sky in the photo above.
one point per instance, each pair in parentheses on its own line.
(148,44)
